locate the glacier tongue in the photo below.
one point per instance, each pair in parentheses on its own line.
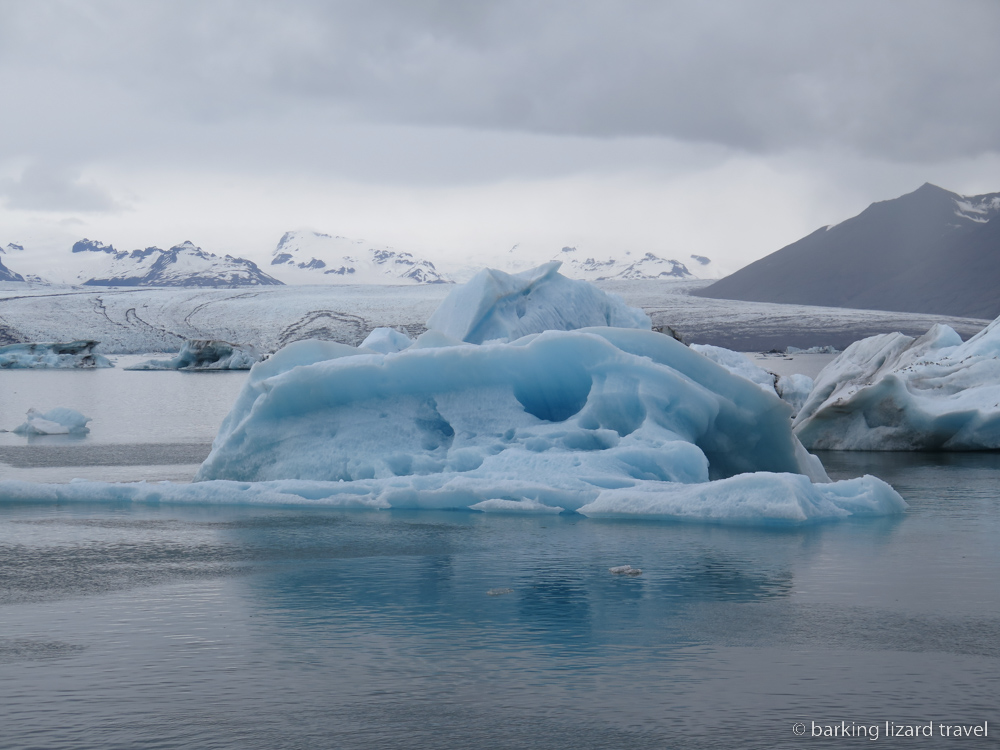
(894,392)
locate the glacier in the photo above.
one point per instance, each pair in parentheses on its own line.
(57,355)
(897,392)
(57,421)
(205,354)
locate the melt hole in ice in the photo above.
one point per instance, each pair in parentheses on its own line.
(499,592)
(625,570)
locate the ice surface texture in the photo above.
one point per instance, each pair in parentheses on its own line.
(68,355)
(793,389)
(494,305)
(58,421)
(894,392)
(602,421)
(205,355)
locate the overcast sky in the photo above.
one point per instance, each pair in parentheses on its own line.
(456,129)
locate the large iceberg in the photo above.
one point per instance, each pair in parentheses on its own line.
(205,354)
(894,392)
(602,421)
(58,355)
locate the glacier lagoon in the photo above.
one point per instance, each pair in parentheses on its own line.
(147,624)
(160,626)
(235,627)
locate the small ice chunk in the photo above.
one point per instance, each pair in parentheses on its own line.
(738,364)
(58,421)
(63,356)
(794,389)
(625,570)
(205,354)
(499,592)
(497,306)
(386,341)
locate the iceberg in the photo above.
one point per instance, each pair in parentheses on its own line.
(58,421)
(56,355)
(894,392)
(590,420)
(793,389)
(202,354)
(386,341)
(498,306)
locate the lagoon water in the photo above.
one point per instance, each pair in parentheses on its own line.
(231,627)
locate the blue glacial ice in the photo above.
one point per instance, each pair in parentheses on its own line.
(57,355)
(497,306)
(386,341)
(794,388)
(608,420)
(894,392)
(57,421)
(205,354)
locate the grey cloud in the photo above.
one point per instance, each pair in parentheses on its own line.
(893,78)
(45,187)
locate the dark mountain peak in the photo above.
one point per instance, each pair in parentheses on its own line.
(7,275)
(93,246)
(929,251)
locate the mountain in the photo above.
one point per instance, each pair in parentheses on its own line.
(930,251)
(98,264)
(7,275)
(304,257)
(648,266)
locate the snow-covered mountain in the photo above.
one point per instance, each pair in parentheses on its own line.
(930,251)
(628,266)
(7,275)
(306,257)
(97,264)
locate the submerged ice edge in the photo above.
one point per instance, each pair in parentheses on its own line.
(746,499)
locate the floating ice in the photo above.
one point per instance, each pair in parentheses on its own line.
(812,350)
(738,364)
(199,354)
(499,592)
(794,389)
(893,392)
(68,355)
(386,341)
(58,421)
(495,305)
(790,388)
(625,570)
(584,420)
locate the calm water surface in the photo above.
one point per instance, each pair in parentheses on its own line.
(170,627)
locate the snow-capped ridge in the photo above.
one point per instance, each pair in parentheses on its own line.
(308,257)
(184,264)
